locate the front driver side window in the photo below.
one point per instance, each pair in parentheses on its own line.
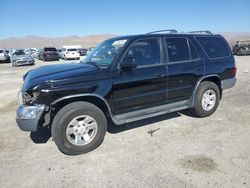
(145,52)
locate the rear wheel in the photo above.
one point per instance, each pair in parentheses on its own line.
(207,99)
(78,128)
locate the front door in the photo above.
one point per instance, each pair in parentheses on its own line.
(144,86)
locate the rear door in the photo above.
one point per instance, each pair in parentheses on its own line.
(146,85)
(185,67)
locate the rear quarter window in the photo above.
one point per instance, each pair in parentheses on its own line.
(215,47)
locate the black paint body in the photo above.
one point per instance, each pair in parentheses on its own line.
(126,91)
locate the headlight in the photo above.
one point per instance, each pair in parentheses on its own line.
(29,112)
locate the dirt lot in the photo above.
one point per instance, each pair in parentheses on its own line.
(183,152)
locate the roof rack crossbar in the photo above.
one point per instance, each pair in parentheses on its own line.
(205,32)
(165,30)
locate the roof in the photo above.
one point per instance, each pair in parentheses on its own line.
(168,33)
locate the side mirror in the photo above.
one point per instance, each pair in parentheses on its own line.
(128,63)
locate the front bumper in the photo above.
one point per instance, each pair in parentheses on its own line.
(27,117)
(23,62)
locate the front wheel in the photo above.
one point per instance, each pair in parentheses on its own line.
(78,128)
(207,99)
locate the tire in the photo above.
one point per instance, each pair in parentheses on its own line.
(62,122)
(208,89)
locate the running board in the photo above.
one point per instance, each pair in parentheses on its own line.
(151,112)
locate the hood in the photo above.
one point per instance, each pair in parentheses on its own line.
(21,56)
(52,73)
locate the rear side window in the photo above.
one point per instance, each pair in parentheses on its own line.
(215,47)
(180,49)
(177,49)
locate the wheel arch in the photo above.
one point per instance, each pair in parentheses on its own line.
(212,78)
(94,99)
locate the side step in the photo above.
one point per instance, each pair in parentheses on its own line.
(151,112)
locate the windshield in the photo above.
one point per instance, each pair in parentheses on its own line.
(105,52)
(19,52)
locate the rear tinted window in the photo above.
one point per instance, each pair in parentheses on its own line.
(1,51)
(50,49)
(177,49)
(215,47)
(72,50)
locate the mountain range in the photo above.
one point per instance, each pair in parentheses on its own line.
(87,41)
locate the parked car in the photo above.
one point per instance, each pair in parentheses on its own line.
(242,48)
(4,57)
(126,79)
(8,52)
(49,53)
(82,51)
(61,53)
(39,54)
(70,53)
(89,50)
(19,57)
(34,52)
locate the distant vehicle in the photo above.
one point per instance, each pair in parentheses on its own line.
(19,57)
(70,53)
(242,48)
(89,50)
(34,52)
(49,53)
(8,52)
(4,57)
(82,51)
(60,52)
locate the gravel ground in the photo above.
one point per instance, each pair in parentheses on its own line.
(183,151)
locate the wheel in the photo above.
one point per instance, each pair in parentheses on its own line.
(207,99)
(78,128)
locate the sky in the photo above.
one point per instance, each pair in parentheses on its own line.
(57,18)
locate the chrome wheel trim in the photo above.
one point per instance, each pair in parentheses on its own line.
(81,130)
(208,100)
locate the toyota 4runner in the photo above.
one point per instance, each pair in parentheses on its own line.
(126,79)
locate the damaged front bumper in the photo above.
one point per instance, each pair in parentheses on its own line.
(27,117)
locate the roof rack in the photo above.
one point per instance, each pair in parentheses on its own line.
(166,30)
(202,32)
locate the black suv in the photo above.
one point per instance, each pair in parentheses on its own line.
(49,53)
(126,79)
